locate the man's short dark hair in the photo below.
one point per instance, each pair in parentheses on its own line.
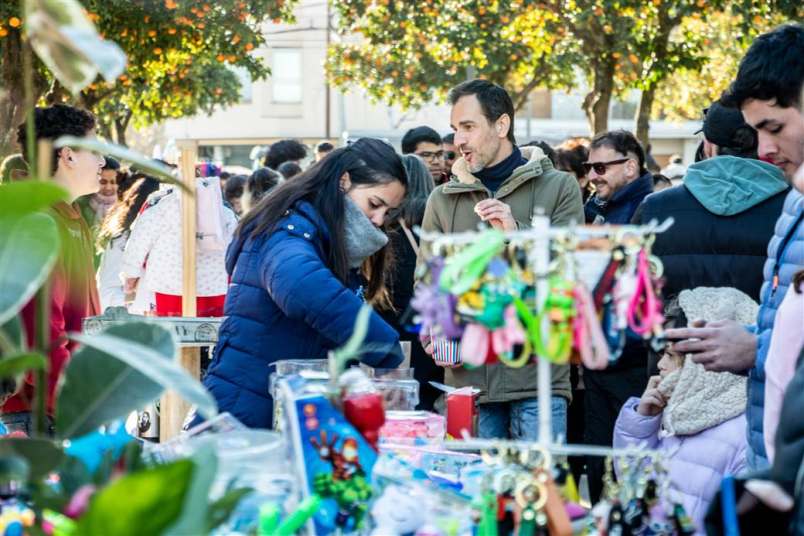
(234,187)
(324,147)
(53,122)
(261,182)
(572,159)
(289,169)
(772,69)
(111,163)
(623,142)
(284,151)
(493,99)
(415,136)
(449,138)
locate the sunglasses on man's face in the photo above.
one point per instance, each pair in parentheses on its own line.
(601,167)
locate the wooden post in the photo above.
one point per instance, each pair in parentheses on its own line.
(173,408)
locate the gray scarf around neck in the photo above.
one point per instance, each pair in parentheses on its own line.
(362,239)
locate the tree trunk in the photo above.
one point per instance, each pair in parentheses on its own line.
(642,126)
(12,96)
(597,102)
(120,127)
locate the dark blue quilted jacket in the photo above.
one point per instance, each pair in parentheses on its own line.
(284,303)
(785,258)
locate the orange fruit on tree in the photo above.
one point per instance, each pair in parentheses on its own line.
(14,22)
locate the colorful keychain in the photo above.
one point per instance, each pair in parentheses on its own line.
(556,319)
(588,335)
(463,270)
(644,308)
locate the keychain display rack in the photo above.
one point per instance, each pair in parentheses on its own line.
(539,239)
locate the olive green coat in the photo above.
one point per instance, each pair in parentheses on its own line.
(534,186)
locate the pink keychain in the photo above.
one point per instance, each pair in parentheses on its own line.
(644,304)
(504,339)
(588,334)
(474,345)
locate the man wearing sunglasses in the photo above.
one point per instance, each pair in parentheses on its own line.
(450,151)
(425,143)
(616,166)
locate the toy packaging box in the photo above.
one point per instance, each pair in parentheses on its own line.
(334,460)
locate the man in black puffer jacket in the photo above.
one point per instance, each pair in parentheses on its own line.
(724,212)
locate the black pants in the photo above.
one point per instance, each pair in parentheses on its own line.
(575,423)
(606,392)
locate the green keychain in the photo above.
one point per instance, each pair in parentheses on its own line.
(464,269)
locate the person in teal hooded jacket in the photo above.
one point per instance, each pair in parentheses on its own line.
(724,212)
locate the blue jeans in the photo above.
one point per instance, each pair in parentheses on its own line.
(519,419)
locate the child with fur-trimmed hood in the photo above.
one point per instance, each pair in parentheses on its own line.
(696,417)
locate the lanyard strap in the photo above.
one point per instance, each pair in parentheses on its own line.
(589,338)
(644,304)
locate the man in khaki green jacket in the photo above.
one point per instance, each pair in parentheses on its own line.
(496,183)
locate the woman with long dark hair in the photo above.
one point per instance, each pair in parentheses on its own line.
(302,263)
(112,237)
(404,245)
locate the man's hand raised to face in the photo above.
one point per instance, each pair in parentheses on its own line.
(497,213)
(722,346)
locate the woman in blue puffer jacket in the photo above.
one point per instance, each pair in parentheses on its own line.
(298,265)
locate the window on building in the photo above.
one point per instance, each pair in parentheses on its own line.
(244,77)
(286,75)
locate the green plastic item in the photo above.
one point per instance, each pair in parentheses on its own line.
(269,519)
(295,521)
(464,269)
(488,515)
(62,525)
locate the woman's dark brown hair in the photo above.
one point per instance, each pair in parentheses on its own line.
(124,212)
(369,162)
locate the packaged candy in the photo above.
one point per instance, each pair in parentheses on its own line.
(413,425)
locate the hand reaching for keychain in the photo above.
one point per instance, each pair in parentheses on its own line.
(496,213)
(652,402)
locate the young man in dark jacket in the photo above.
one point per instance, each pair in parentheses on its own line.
(73,294)
(768,92)
(724,212)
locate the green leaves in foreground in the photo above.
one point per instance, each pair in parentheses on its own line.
(146,502)
(119,371)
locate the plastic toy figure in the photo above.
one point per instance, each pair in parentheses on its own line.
(346,484)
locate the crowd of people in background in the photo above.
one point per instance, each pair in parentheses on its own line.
(290,252)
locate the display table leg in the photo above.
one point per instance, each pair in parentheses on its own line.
(173,408)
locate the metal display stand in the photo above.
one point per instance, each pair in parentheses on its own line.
(539,237)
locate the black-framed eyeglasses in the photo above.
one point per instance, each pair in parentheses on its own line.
(601,167)
(428,155)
